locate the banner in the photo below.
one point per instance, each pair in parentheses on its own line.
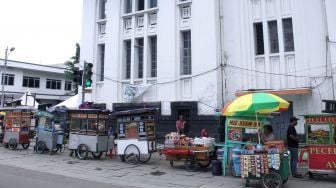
(322,157)
(131,92)
(244,123)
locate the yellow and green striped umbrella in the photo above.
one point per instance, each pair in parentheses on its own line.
(255,103)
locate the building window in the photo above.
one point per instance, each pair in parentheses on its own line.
(140,46)
(32,82)
(7,79)
(153,52)
(140,5)
(128,6)
(128,51)
(140,21)
(186,53)
(273,36)
(102,28)
(67,86)
(152,19)
(152,3)
(53,84)
(101,56)
(288,34)
(128,23)
(102,9)
(259,38)
(185,12)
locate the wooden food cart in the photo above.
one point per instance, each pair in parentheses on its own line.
(321,143)
(50,134)
(194,155)
(89,132)
(18,123)
(136,134)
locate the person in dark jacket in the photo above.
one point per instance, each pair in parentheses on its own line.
(293,146)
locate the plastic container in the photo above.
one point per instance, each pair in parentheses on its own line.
(216,167)
(236,160)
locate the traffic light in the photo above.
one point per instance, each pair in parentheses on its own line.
(77,76)
(87,74)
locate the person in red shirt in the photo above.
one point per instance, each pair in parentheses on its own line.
(180,125)
(204,133)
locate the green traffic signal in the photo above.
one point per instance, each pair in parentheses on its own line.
(88,74)
(88,83)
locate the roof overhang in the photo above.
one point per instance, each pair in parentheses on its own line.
(296,91)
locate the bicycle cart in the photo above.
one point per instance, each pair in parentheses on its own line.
(89,133)
(321,144)
(50,135)
(18,123)
(193,156)
(136,135)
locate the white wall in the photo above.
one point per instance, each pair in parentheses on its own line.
(169,24)
(308,60)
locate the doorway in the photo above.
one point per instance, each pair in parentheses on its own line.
(280,123)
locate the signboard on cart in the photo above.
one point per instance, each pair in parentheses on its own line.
(322,157)
(251,124)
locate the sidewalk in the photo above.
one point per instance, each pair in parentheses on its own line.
(157,173)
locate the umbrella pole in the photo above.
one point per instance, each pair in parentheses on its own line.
(258,128)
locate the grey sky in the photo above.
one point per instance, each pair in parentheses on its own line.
(42,31)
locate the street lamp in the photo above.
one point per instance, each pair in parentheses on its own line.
(4,74)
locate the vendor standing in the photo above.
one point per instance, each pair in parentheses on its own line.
(293,146)
(180,125)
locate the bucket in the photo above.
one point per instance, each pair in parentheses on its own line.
(216,167)
(236,161)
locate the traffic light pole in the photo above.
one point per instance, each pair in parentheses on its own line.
(83,87)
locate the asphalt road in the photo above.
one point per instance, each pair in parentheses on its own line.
(13,177)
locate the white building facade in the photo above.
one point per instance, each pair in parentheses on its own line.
(193,56)
(46,83)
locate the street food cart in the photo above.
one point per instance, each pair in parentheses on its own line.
(321,143)
(18,123)
(245,118)
(89,132)
(196,152)
(267,163)
(136,134)
(50,134)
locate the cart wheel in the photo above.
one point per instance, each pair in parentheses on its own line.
(26,146)
(171,163)
(132,154)
(96,155)
(144,158)
(82,151)
(40,147)
(204,164)
(272,180)
(232,169)
(12,144)
(190,164)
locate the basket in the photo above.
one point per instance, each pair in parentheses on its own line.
(279,144)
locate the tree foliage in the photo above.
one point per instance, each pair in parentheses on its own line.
(70,66)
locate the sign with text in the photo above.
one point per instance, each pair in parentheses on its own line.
(321,120)
(244,123)
(322,157)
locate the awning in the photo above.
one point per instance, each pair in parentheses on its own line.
(297,91)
